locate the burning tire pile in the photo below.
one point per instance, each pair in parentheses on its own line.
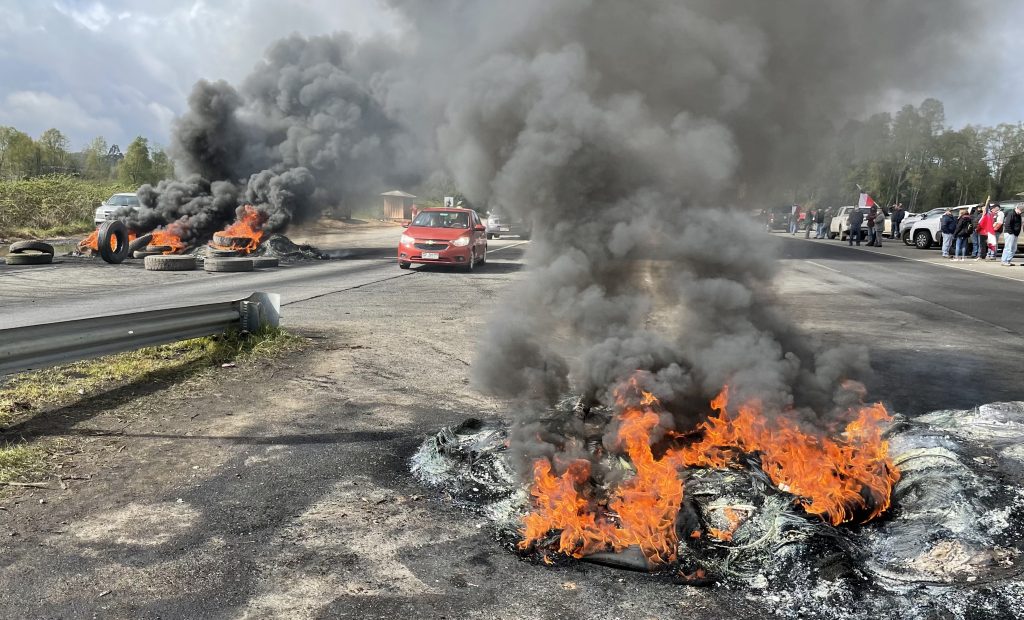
(888,518)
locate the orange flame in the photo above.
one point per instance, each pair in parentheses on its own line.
(834,478)
(249,226)
(169,237)
(92,242)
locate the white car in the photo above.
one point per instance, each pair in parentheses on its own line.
(912,218)
(926,231)
(499,223)
(840,224)
(105,212)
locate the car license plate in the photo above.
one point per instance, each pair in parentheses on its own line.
(431,255)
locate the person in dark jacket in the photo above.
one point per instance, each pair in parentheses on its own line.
(964,228)
(947,226)
(976,241)
(1011,232)
(819,223)
(896,217)
(856,218)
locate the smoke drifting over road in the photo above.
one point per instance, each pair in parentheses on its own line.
(627,133)
(303,134)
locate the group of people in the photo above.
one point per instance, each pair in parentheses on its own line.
(817,220)
(982,228)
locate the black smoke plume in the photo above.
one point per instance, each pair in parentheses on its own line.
(304,134)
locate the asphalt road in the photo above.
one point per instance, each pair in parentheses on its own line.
(282,489)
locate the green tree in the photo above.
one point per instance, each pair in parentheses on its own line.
(137,168)
(163,167)
(53,152)
(18,154)
(95,164)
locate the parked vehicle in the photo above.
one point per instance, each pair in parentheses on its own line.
(105,212)
(840,224)
(910,219)
(925,232)
(500,223)
(777,218)
(438,236)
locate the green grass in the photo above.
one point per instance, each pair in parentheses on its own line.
(52,205)
(70,385)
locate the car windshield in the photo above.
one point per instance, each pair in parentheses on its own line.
(122,201)
(442,219)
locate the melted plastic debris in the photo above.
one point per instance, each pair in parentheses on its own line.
(950,547)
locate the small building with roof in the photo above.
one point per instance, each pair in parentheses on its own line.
(398,205)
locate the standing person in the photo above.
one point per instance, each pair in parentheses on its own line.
(947,226)
(819,221)
(976,215)
(964,229)
(794,215)
(987,233)
(855,219)
(1011,232)
(896,217)
(875,227)
(809,222)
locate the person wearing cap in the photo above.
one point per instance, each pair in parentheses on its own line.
(1011,232)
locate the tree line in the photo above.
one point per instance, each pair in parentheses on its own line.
(912,157)
(22,157)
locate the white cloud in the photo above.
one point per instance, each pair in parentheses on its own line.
(34,112)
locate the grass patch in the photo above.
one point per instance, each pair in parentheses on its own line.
(52,205)
(63,385)
(19,462)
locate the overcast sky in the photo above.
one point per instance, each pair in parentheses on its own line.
(121,68)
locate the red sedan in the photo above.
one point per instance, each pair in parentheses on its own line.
(454,237)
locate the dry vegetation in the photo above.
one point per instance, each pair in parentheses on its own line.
(52,205)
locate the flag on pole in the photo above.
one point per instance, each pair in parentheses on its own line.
(865,201)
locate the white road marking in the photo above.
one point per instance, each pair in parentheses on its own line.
(810,262)
(514,245)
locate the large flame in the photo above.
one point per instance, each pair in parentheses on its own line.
(92,242)
(249,226)
(169,237)
(838,479)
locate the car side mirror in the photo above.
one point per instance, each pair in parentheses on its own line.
(480,228)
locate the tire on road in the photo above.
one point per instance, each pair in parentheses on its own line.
(264,262)
(139,244)
(142,254)
(231,242)
(170,262)
(116,231)
(212,252)
(29,259)
(19,247)
(158,248)
(922,239)
(227,265)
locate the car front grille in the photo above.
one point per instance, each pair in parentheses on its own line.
(432,247)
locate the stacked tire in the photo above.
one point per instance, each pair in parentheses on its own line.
(29,253)
(169,262)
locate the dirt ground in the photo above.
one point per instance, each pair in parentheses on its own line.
(281,489)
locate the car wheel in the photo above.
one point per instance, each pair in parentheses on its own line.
(490,236)
(404,265)
(483,256)
(833,235)
(906,238)
(922,240)
(472,261)
(497,236)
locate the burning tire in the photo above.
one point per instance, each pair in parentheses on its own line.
(231,242)
(227,265)
(142,254)
(159,248)
(264,262)
(160,262)
(139,244)
(116,232)
(29,259)
(37,246)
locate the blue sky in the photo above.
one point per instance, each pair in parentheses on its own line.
(120,68)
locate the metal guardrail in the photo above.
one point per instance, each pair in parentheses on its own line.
(39,346)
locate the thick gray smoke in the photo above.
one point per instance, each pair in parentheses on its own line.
(304,134)
(635,136)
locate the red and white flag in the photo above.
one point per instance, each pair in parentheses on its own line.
(865,201)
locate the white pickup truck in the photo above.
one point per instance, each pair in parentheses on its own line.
(840,224)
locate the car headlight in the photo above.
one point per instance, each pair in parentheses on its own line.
(407,240)
(461,242)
